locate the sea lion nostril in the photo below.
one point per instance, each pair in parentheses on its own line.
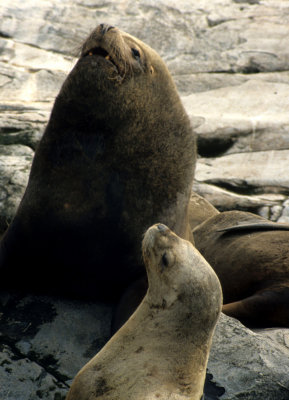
(162,227)
(104,28)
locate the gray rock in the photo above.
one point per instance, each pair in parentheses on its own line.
(260,172)
(250,365)
(91,329)
(45,341)
(22,378)
(284,214)
(245,118)
(236,76)
(225,200)
(15,162)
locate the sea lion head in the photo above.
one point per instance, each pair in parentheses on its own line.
(121,71)
(178,274)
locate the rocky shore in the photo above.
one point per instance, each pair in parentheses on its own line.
(230,62)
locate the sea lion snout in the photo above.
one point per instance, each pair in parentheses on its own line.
(162,228)
(104,28)
(157,238)
(156,231)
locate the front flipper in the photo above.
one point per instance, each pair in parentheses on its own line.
(267,308)
(256,226)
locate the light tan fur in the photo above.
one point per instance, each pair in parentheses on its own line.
(162,350)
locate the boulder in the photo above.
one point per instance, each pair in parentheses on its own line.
(45,341)
(250,117)
(260,172)
(15,162)
(250,365)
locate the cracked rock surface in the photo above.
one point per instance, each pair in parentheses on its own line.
(44,342)
(230,62)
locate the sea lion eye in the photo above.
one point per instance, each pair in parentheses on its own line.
(135,53)
(165,260)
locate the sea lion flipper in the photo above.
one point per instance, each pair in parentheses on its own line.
(265,308)
(256,226)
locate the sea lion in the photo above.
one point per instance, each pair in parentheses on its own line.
(117,155)
(161,352)
(199,210)
(250,255)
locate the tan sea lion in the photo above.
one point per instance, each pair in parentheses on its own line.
(199,210)
(162,350)
(117,155)
(251,258)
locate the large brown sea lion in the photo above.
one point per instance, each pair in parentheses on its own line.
(117,155)
(251,258)
(162,350)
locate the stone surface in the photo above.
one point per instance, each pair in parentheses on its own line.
(230,61)
(15,162)
(250,365)
(260,172)
(22,378)
(45,341)
(225,200)
(250,117)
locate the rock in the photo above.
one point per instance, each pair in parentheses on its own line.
(225,200)
(234,119)
(22,378)
(260,172)
(45,341)
(284,214)
(250,365)
(15,162)
(236,76)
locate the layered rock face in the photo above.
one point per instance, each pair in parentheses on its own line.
(230,62)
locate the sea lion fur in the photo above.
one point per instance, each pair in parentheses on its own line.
(117,155)
(250,255)
(161,352)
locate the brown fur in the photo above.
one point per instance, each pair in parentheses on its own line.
(252,265)
(118,154)
(162,350)
(200,209)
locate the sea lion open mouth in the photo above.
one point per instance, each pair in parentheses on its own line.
(100,154)
(100,51)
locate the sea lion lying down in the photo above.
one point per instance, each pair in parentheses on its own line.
(250,255)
